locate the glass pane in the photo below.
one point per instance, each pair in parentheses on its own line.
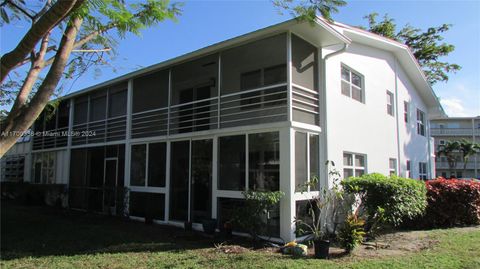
(157,158)
(63,114)
(314,157)
(231,173)
(345,88)
(356,80)
(201,197)
(347,159)
(138,163)
(110,173)
(78,167)
(95,162)
(345,74)
(347,173)
(301,173)
(179,169)
(357,94)
(359,161)
(359,172)
(264,162)
(275,75)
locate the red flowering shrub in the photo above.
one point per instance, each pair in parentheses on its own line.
(452,202)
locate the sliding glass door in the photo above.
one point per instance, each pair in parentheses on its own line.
(191,180)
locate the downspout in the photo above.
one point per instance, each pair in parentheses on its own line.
(325,103)
(397,121)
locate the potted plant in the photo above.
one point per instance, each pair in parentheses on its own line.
(322,210)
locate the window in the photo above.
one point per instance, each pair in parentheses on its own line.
(390,103)
(44,168)
(138,165)
(263,151)
(264,162)
(408,173)
(306,148)
(422,170)
(232,158)
(155,174)
(392,166)
(157,161)
(459,174)
(352,84)
(420,122)
(12,168)
(406,111)
(353,164)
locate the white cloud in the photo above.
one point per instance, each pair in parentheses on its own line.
(454,107)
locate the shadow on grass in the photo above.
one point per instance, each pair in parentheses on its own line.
(41,231)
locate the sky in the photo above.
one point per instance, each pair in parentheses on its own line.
(203,23)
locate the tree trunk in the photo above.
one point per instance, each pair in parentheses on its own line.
(59,11)
(28,114)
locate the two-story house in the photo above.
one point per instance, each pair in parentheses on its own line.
(262,111)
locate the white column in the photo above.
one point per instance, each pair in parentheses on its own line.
(214,177)
(289,76)
(127,136)
(287,179)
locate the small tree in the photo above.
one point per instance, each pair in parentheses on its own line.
(468,149)
(451,151)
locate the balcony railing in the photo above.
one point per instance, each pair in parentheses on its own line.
(455,131)
(445,165)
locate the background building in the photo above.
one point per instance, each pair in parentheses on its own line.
(455,129)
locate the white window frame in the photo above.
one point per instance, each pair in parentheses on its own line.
(406,111)
(390,103)
(422,170)
(353,167)
(44,169)
(350,84)
(408,169)
(392,170)
(421,122)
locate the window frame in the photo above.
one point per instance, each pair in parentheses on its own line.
(308,153)
(147,159)
(406,111)
(43,168)
(353,167)
(350,83)
(422,170)
(390,103)
(421,128)
(392,170)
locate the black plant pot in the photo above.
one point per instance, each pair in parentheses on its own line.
(209,226)
(322,248)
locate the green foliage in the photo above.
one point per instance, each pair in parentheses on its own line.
(388,200)
(352,232)
(254,216)
(307,9)
(427,46)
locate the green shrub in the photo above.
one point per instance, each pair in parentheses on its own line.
(388,199)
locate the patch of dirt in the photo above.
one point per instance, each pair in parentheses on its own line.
(392,244)
(231,249)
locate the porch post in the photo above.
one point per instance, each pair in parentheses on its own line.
(287,179)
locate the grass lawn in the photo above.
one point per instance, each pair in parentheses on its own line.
(35,237)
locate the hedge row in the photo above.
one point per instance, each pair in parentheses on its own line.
(452,202)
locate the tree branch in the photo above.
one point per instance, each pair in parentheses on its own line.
(39,29)
(28,115)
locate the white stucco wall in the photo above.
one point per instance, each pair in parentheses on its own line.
(367,128)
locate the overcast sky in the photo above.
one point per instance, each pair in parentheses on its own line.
(206,22)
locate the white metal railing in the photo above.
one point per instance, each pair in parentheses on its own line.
(459,166)
(454,131)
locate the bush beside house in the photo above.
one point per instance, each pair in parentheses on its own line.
(452,202)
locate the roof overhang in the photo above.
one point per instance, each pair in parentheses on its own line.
(319,33)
